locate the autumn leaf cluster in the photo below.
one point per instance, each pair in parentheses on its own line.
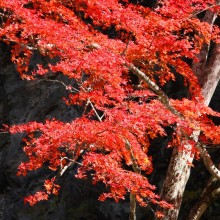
(121,116)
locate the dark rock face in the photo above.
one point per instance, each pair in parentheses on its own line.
(22,101)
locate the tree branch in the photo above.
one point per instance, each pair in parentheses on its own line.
(210,166)
(63,169)
(209,195)
(164,99)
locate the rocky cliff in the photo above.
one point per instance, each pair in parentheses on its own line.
(22,101)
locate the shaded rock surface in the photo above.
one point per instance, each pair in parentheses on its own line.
(23,101)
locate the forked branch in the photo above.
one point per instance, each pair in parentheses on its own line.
(165,101)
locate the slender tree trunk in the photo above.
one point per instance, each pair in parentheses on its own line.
(179,170)
(132,215)
(209,195)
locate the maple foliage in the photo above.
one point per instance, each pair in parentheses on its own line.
(120,118)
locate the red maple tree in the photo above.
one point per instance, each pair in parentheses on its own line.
(120,117)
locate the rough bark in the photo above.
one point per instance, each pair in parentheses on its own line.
(132,215)
(175,182)
(179,170)
(212,76)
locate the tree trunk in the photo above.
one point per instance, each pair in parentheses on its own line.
(174,184)
(132,215)
(179,170)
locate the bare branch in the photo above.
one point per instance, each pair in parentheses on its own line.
(210,166)
(206,9)
(67,87)
(63,169)
(152,85)
(96,113)
(209,195)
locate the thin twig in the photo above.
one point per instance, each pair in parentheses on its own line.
(70,88)
(211,6)
(63,169)
(96,113)
(126,47)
